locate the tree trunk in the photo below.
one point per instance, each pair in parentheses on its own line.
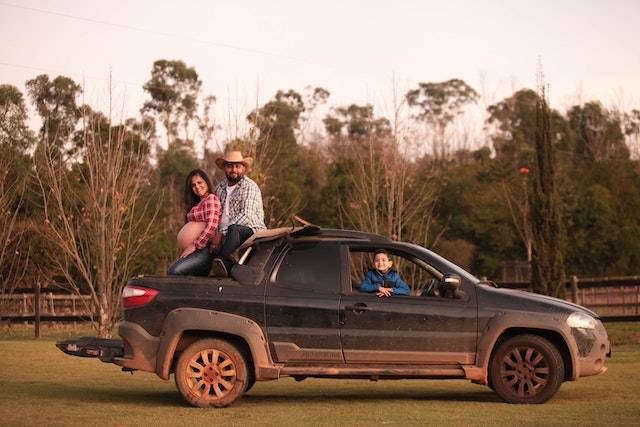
(104,323)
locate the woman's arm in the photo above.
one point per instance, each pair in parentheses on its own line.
(209,210)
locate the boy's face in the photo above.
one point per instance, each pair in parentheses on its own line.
(382,263)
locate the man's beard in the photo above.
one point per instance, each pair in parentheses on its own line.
(234,180)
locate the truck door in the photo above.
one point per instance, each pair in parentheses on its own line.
(302,304)
(412,329)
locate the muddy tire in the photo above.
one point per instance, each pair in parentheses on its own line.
(211,373)
(250,383)
(526,369)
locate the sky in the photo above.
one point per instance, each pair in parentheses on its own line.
(361,51)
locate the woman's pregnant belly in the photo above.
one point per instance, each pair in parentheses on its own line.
(190,232)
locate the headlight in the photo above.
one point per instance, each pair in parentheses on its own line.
(581,320)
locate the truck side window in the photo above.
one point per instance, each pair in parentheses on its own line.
(416,276)
(313,267)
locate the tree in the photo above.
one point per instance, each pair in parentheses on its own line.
(437,105)
(631,123)
(474,209)
(96,123)
(513,126)
(95,217)
(603,219)
(13,117)
(55,102)
(313,97)
(356,122)
(207,126)
(514,192)
(174,88)
(278,167)
(547,269)
(599,133)
(14,248)
(513,122)
(593,232)
(15,140)
(375,185)
(174,164)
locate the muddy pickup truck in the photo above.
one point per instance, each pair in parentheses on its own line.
(292,307)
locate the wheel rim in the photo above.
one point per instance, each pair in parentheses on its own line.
(525,371)
(211,374)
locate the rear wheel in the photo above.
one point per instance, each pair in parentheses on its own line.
(526,369)
(211,373)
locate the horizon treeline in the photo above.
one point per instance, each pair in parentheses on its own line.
(415,176)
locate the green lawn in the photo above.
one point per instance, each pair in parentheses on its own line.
(42,386)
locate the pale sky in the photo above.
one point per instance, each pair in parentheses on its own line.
(355,49)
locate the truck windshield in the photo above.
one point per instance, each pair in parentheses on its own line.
(439,261)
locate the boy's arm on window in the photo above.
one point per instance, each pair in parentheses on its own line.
(367,285)
(401,288)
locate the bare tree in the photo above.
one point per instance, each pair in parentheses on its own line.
(14,255)
(96,217)
(515,194)
(389,193)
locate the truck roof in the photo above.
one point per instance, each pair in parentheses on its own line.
(311,232)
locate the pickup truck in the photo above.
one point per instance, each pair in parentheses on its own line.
(292,307)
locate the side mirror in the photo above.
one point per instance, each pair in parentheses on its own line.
(450,287)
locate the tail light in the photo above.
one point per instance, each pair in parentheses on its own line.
(137,296)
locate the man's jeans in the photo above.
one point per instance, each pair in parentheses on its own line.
(235,237)
(197,263)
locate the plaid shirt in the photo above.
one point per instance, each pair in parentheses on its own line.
(245,205)
(207,210)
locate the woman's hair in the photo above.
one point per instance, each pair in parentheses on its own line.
(190,198)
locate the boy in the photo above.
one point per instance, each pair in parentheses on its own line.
(383,279)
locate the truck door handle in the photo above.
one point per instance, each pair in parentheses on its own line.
(358,307)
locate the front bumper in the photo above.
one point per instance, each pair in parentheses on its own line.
(593,349)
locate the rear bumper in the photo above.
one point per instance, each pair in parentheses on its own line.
(140,348)
(104,349)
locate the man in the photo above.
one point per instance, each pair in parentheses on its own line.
(242,212)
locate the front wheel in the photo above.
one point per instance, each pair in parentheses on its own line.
(526,369)
(211,373)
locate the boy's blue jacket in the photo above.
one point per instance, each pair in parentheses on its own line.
(373,280)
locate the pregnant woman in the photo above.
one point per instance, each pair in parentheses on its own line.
(202,212)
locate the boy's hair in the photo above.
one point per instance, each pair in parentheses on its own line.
(382,251)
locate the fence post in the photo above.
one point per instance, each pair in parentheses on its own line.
(574,289)
(36,309)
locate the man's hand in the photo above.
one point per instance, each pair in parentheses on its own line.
(188,250)
(384,292)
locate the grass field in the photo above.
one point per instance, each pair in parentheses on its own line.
(39,385)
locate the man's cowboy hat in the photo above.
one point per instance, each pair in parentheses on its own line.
(234,157)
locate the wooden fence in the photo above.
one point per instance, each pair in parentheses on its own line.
(37,307)
(52,306)
(614,298)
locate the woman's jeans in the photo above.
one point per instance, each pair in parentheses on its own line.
(197,263)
